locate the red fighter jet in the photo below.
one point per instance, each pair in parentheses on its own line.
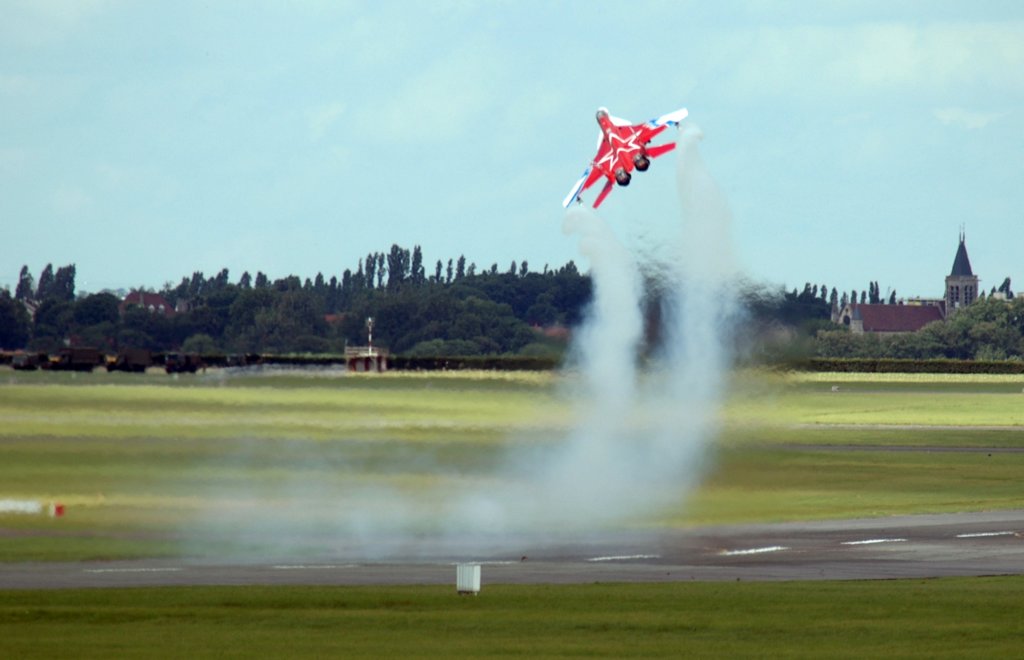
(621,147)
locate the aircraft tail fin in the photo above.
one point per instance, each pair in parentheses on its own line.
(604,193)
(660,150)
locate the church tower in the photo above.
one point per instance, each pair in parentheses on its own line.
(961,284)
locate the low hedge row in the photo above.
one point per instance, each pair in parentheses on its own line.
(886,365)
(482,362)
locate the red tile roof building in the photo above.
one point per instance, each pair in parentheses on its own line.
(888,319)
(151,302)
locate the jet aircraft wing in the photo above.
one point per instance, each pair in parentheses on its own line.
(590,175)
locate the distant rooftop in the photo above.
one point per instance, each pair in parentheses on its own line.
(896,318)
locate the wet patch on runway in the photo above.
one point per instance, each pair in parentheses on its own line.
(310,567)
(133,570)
(753,551)
(873,541)
(624,557)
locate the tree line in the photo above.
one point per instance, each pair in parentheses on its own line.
(453,308)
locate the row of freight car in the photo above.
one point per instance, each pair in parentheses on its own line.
(134,360)
(356,360)
(137,360)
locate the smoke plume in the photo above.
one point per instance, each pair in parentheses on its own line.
(640,436)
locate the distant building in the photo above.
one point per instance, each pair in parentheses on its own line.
(366,358)
(912,315)
(961,283)
(153,303)
(888,319)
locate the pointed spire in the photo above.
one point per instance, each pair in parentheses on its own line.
(961,263)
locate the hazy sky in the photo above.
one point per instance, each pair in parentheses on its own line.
(142,141)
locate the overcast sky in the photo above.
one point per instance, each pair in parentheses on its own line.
(143,141)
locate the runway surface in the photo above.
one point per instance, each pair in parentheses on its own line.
(964,544)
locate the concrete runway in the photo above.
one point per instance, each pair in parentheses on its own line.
(964,544)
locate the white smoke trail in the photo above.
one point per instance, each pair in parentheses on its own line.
(584,479)
(698,312)
(607,343)
(579,481)
(640,439)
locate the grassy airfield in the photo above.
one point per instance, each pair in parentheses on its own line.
(132,457)
(949,618)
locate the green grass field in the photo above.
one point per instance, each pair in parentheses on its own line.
(947,618)
(135,458)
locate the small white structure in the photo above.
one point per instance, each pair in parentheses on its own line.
(364,359)
(31,507)
(467,579)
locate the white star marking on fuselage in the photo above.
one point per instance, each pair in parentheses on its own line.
(620,148)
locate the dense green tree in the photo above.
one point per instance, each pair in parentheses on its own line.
(289,283)
(196,286)
(54,319)
(26,285)
(542,313)
(221,280)
(45,286)
(156,330)
(97,308)
(416,272)
(371,270)
(100,335)
(241,333)
(295,316)
(15,326)
(200,343)
(381,270)
(398,267)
